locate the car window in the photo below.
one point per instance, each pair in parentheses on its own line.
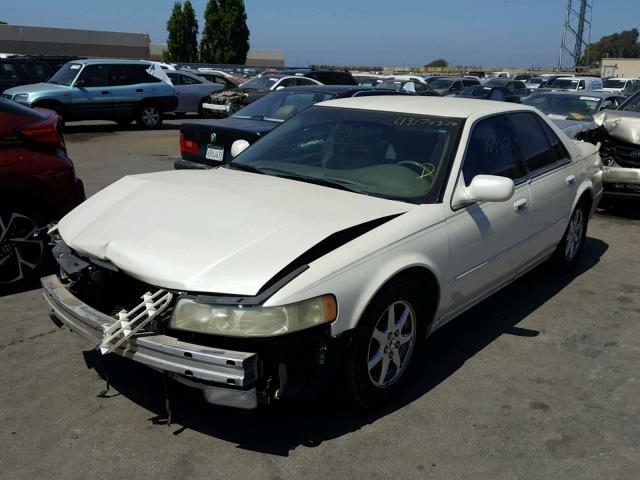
(491,151)
(287,82)
(554,141)
(305,81)
(138,74)
(8,71)
(94,76)
(36,71)
(174,77)
(119,75)
(187,80)
(534,147)
(608,104)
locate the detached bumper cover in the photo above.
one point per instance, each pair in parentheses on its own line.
(233,374)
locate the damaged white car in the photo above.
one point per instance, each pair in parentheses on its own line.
(327,251)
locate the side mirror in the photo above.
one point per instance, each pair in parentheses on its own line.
(485,188)
(238,147)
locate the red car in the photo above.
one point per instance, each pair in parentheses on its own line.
(38,185)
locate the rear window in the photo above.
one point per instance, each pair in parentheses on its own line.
(281,105)
(333,78)
(8,71)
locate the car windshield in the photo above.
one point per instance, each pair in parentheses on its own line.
(632,104)
(565,83)
(278,106)
(261,83)
(441,83)
(476,91)
(384,154)
(536,80)
(614,83)
(66,75)
(569,107)
(395,84)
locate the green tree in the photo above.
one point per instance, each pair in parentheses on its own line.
(618,45)
(225,38)
(190,32)
(176,49)
(441,62)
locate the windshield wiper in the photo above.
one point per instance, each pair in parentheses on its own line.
(325,182)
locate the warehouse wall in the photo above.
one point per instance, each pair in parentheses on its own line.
(621,67)
(64,41)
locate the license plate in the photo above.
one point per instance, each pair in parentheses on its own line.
(214,153)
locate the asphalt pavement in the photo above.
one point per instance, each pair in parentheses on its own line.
(540,381)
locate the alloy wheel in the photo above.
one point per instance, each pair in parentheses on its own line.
(574,234)
(20,253)
(150,116)
(391,344)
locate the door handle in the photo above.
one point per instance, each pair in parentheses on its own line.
(139,90)
(570,179)
(105,92)
(521,204)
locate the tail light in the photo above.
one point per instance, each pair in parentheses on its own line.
(188,147)
(46,132)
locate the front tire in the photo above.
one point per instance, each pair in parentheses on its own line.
(149,116)
(382,353)
(570,247)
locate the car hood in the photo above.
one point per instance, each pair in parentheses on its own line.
(220,231)
(36,88)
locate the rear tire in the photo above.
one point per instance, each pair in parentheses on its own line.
(383,350)
(149,116)
(570,247)
(22,258)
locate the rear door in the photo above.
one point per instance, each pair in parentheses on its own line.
(91,93)
(551,175)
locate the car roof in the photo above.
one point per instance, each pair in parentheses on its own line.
(89,61)
(581,93)
(416,105)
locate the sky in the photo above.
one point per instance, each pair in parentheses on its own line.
(497,33)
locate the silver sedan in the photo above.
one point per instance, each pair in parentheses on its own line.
(192,90)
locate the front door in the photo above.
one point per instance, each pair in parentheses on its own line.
(488,240)
(91,94)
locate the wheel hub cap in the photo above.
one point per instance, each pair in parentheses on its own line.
(391,344)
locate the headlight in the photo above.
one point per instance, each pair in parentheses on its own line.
(21,97)
(249,321)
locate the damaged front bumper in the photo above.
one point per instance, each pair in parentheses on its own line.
(226,377)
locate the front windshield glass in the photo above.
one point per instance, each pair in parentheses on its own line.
(614,83)
(278,106)
(568,107)
(384,154)
(632,104)
(565,83)
(536,81)
(261,83)
(441,83)
(66,75)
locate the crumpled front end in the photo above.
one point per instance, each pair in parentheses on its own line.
(120,315)
(226,103)
(618,132)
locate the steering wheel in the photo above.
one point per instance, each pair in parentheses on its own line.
(424,170)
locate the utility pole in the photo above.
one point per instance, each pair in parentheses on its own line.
(576,35)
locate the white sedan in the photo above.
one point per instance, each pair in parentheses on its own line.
(329,249)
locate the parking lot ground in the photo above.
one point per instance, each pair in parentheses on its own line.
(540,381)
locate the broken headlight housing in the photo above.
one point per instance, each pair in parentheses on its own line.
(252,321)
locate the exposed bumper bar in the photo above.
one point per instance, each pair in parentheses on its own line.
(216,107)
(196,362)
